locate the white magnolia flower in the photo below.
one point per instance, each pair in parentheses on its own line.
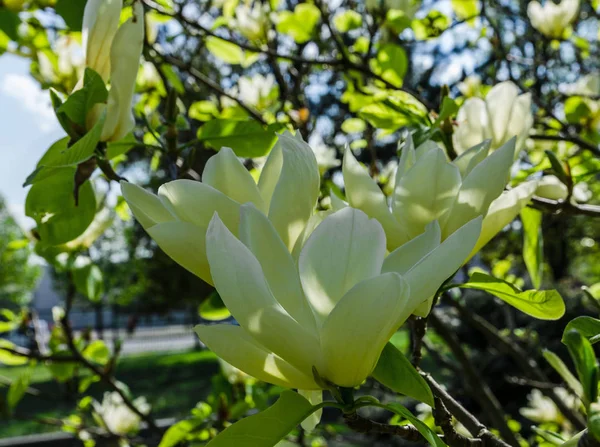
(502,115)
(117,417)
(177,219)
(470,86)
(326,156)
(588,85)
(254,91)
(552,19)
(252,22)
(542,409)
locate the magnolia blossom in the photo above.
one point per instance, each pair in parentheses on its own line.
(254,91)
(550,187)
(428,188)
(588,85)
(470,86)
(252,22)
(329,313)
(552,19)
(502,115)
(326,156)
(114,52)
(178,217)
(542,409)
(117,417)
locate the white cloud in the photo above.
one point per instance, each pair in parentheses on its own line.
(32,99)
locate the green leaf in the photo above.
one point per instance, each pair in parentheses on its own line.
(228,52)
(382,116)
(465,9)
(51,204)
(169,73)
(10,322)
(178,432)
(62,371)
(267,428)
(397,20)
(17,390)
(390,63)
(80,102)
(431,26)
(72,12)
(9,23)
(586,366)
(213,308)
(430,435)
(587,326)
(299,24)
(97,352)
(560,367)
(89,281)
(8,358)
(397,373)
(347,20)
(542,304)
(203,110)
(246,138)
(449,108)
(354,125)
(533,245)
(558,167)
(594,423)
(40,173)
(124,145)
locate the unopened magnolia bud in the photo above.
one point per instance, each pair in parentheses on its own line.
(100,23)
(550,187)
(125,61)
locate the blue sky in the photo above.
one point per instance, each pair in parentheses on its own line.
(28,129)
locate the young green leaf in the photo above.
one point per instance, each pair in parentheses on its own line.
(562,369)
(8,358)
(80,102)
(558,167)
(542,304)
(533,246)
(267,428)
(587,326)
(89,282)
(17,390)
(584,358)
(430,435)
(397,373)
(178,432)
(97,352)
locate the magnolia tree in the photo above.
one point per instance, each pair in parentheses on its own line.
(339,175)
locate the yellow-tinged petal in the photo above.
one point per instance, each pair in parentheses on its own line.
(426,192)
(297,189)
(236,346)
(410,254)
(315,397)
(440,264)
(346,248)
(363,193)
(480,188)
(503,210)
(100,24)
(239,279)
(226,173)
(185,244)
(360,325)
(196,203)
(281,273)
(147,208)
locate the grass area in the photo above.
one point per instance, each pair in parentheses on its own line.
(172,384)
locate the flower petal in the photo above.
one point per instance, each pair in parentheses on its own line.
(364,194)
(345,249)
(314,221)
(147,208)
(315,398)
(521,120)
(185,244)
(196,202)
(259,235)
(297,190)
(240,281)
(360,325)
(236,346)
(410,254)
(426,192)
(226,173)
(440,264)
(550,187)
(499,104)
(470,158)
(473,124)
(503,210)
(480,188)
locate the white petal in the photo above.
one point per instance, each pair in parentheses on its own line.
(427,276)
(226,173)
(360,325)
(312,223)
(520,122)
(297,190)
(345,249)
(407,158)
(236,346)
(147,208)
(239,279)
(473,124)
(363,193)
(503,210)
(426,192)
(550,187)
(410,254)
(336,203)
(470,158)
(196,203)
(315,398)
(480,188)
(259,235)
(499,103)
(185,244)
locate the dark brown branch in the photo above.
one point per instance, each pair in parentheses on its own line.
(564,206)
(364,425)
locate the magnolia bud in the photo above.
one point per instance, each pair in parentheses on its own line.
(550,187)
(100,22)
(125,56)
